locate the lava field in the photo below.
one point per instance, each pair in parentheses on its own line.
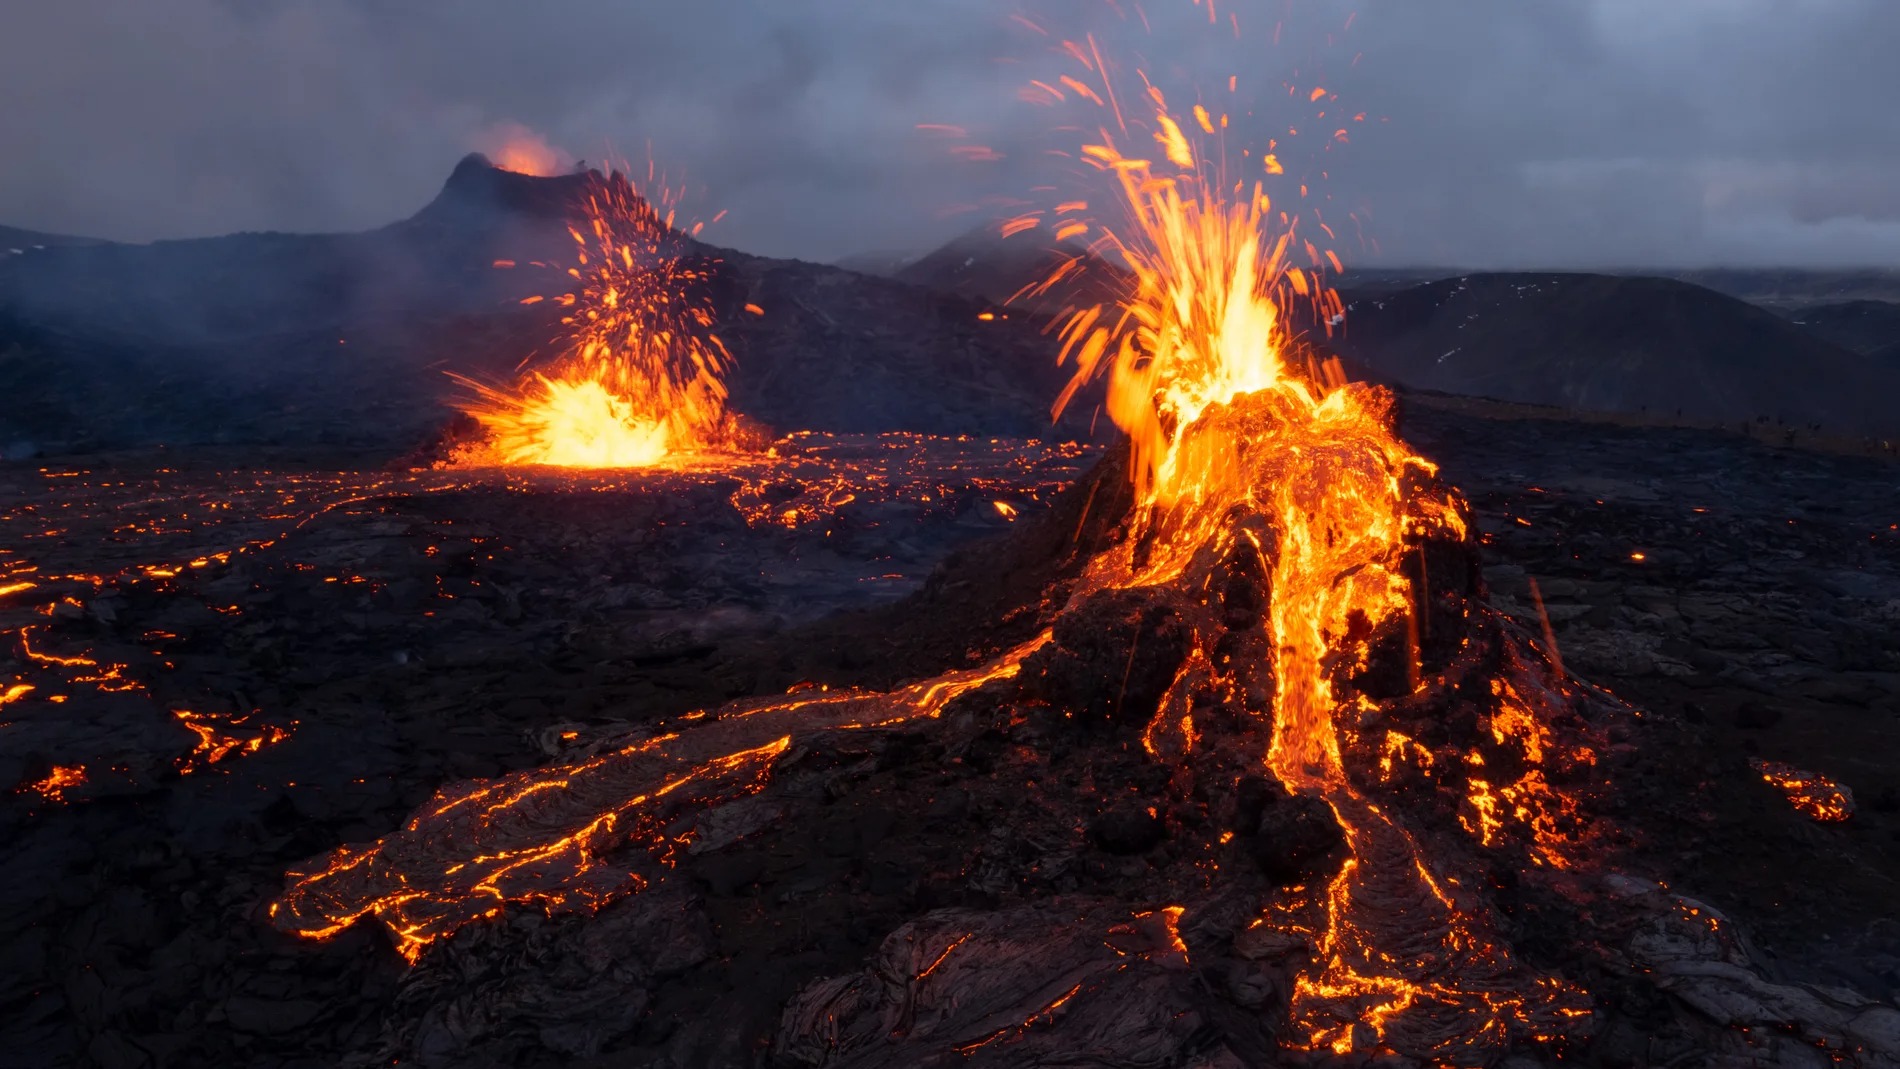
(221,676)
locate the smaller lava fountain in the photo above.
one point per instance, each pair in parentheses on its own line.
(641,376)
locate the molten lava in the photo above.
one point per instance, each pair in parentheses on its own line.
(641,375)
(549,836)
(1813,795)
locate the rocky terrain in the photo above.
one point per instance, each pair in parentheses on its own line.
(278,338)
(1685,347)
(233,672)
(401,631)
(1791,288)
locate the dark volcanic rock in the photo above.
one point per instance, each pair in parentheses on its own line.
(966,988)
(1290,836)
(1128,828)
(986,266)
(1113,657)
(895,901)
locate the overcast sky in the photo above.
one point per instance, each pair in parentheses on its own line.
(1498,132)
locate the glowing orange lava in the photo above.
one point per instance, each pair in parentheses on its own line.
(547,835)
(54,785)
(220,737)
(641,378)
(1813,795)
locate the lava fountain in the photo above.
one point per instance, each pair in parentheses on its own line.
(1243,446)
(641,374)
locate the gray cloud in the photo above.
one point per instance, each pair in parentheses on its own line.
(1498,132)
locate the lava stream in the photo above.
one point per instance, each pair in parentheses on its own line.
(553,836)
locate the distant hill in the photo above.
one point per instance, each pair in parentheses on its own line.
(883,263)
(1788,288)
(1777,288)
(1862,326)
(1612,344)
(345,337)
(16,242)
(984,265)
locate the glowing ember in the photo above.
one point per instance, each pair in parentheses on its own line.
(1814,795)
(219,738)
(61,779)
(642,375)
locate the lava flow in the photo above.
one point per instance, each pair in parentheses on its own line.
(641,376)
(555,837)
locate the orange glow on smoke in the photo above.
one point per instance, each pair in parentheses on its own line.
(642,375)
(513,147)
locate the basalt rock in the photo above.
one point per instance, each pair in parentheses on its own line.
(1292,837)
(1114,655)
(1128,828)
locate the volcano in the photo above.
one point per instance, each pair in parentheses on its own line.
(345,339)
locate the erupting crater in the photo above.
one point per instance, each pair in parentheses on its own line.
(640,379)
